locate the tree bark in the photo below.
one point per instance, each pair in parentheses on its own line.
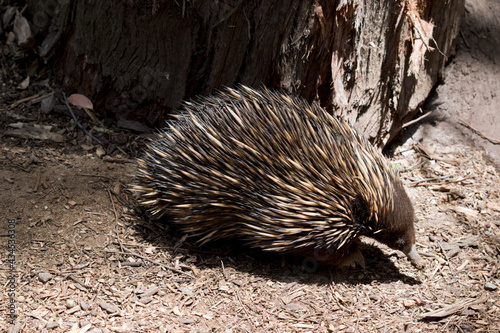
(372,62)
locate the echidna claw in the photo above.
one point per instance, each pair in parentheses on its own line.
(415,258)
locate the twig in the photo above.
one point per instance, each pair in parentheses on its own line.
(465,40)
(413,183)
(173,269)
(114,208)
(38,99)
(400,127)
(493,141)
(451,181)
(75,279)
(444,253)
(89,175)
(19,166)
(453,308)
(411,122)
(31,314)
(16,103)
(76,121)
(337,297)
(38,180)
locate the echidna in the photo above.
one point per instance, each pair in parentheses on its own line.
(277,172)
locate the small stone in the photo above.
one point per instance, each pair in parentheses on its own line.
(70,303)
(23,32)
(47,104)
(408,303)
(490,286)
(44,277)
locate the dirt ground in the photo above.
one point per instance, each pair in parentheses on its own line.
(86,262)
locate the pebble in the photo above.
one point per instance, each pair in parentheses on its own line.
(44,277)
(490,286)
(47,104)
(408,303)
(70,303)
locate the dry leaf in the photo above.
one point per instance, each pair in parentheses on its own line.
(80,101)
(24,84)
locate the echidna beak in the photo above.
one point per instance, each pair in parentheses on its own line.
(415,258)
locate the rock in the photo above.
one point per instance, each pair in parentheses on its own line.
(408,303)
(490,286)
(44,277)
(23,32)
(47,104)
(70,303)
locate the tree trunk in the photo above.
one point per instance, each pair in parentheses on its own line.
(373,62)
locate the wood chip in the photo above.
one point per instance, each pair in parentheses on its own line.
(453,308)
(110,308)
(465,210)
(493,206)
(150,292)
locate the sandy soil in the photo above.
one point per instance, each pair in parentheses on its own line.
(86,262)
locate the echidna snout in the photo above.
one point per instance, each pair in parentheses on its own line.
(399,231)
(276,172)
